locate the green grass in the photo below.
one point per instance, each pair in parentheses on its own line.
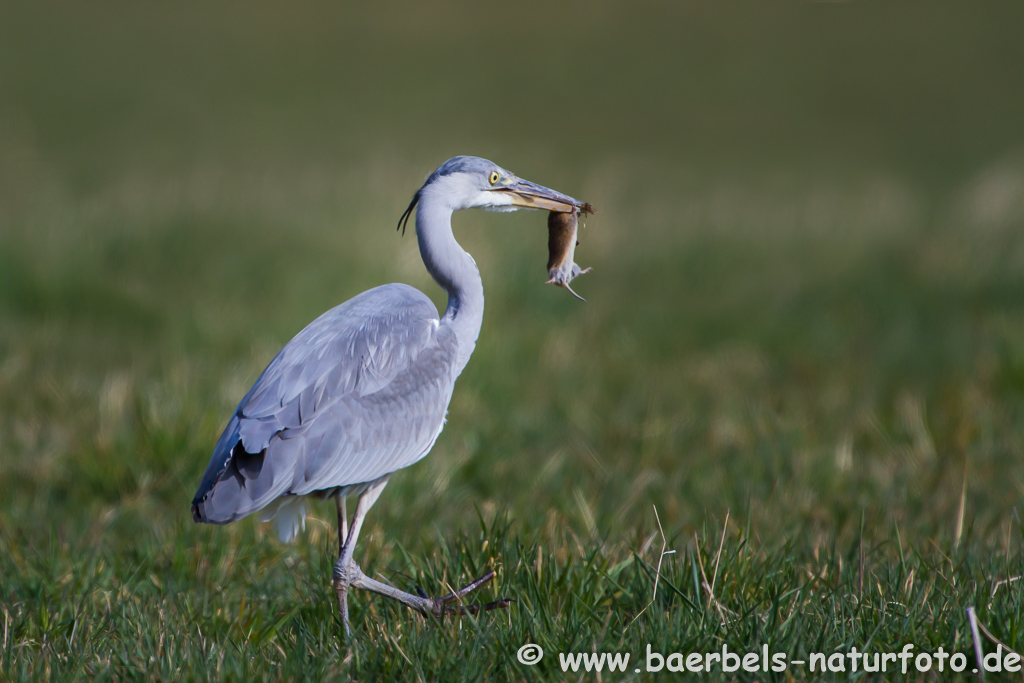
(803,345)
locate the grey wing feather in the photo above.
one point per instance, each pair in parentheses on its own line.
(359,393)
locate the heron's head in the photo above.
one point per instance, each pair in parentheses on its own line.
(474,183)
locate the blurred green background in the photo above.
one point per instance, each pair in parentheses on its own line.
(805,309)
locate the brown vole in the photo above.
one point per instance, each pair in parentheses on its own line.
(562,241)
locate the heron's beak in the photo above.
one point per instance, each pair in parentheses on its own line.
(532,196)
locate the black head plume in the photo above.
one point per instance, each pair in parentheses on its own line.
(404,220)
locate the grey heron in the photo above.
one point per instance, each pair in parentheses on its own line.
(363,390)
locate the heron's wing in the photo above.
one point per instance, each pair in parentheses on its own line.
(359,393)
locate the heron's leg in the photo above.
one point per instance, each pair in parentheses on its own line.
(342,574)
(339,501)
(341,588)
(347,573)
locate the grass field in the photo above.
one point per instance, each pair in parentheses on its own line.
(799,372)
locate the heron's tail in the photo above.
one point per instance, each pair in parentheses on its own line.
(238,483)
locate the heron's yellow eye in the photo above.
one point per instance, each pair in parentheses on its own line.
(494,177)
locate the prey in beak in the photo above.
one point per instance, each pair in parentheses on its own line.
(563,221)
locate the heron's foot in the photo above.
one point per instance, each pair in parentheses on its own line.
(452,603)
(436,607)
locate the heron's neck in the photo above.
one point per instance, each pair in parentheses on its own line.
(454,269)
